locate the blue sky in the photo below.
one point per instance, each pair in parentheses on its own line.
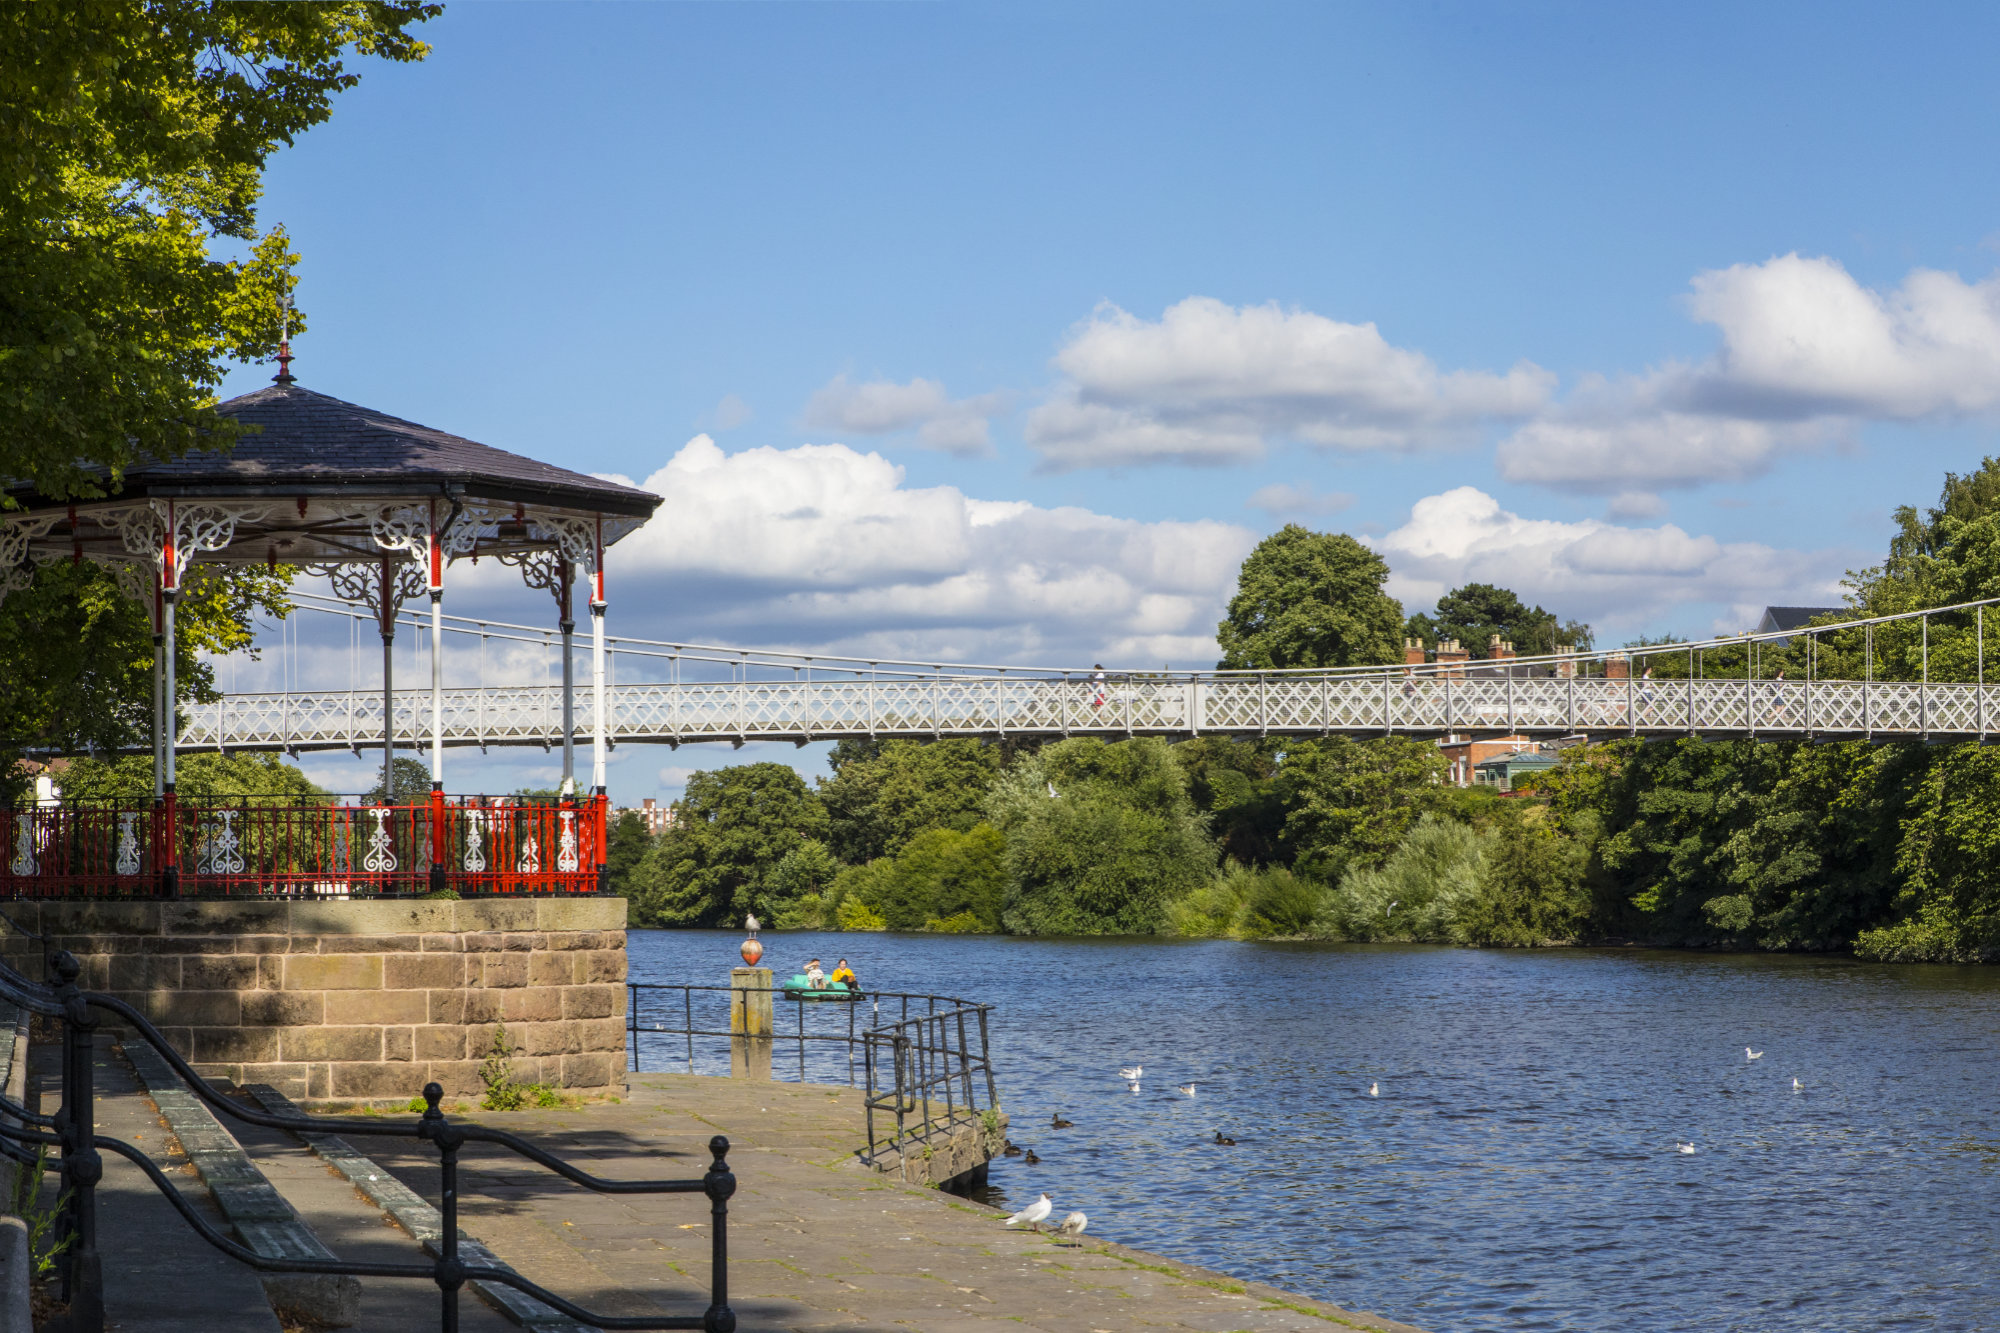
(1013,326)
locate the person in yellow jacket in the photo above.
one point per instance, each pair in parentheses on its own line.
(846,974)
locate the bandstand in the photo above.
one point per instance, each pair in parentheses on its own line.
(380,507)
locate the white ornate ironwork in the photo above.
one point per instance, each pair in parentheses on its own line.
(540,569)
(220,851)
(566,859)
(402,528)
(471,523)
(531,857)
(128,843)
(576,538)
(24,848)
(17,567)
(361,582)
(381,857)
(475,845)
(1356,705)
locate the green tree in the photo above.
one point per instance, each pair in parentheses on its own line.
(78,656)
(1531,884)
(411,783)
(879,799)
(731,829)
(1351,802)
(1100,838)
(133,137)
(626,847)
(1311,599)
(253,778)
(942,875)
(1234,783)
(1476,612)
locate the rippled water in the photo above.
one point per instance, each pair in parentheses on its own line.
(1519,1169)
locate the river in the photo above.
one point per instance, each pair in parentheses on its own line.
(1519,1168)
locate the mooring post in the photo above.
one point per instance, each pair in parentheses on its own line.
(750,1021)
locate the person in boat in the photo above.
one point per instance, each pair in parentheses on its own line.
(815,975)
(845,976)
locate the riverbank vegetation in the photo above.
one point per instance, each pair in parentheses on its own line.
(1884,849)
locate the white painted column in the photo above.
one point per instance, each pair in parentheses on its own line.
(598,710)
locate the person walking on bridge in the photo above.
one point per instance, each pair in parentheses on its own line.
(1097,685)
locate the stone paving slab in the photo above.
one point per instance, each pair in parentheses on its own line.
(816,1241)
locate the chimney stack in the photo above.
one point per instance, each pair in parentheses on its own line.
(1451,657)
(1617,667)
(1413,652)
(1566,661)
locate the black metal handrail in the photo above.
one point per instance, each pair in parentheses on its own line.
(82,1168)
(924,1063)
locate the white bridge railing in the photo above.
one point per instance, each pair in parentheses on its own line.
(1382,702)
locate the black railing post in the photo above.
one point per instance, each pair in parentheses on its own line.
(992,1089)
(632,1017)
(450,1273)
(718,1184)
(82,1168)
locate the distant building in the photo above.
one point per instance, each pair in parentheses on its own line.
(657,818)
(1504,770)
(1465,756)
(1778,619)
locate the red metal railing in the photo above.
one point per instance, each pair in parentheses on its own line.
(261,846)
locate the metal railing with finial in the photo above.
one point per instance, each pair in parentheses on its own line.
(72,1133)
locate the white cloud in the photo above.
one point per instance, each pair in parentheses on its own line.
(826,548)
(1296,499)
(1636,504)
(883,407)
(1807,353)
(731,412)
(1601,572)
(1213,383)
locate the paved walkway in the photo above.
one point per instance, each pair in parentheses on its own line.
(816,1242)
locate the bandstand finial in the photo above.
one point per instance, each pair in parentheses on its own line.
(284,375)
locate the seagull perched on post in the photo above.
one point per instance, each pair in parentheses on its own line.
(1073,1225)
(1033,1213)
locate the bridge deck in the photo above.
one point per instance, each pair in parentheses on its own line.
(1354,705)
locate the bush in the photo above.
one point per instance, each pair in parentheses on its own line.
(1099,838)
(1531,890)
(1417,891)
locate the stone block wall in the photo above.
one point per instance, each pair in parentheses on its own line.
(359,1001)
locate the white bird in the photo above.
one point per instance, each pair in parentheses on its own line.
(1052,791)
(1798,1086)
(1687,1150)
(1749,1054)
(750,923)
(1188,1088)
(1134,1087)
(1073,1225)
(1033,1213)
(1134,1071)
(1374,1090)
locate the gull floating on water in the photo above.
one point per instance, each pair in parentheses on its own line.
(1188,1088)
(1374,1090)
(1134,1087)
(1073,1225)
(1131,1072)
(1033,1213)
(1798,1086)
(1749,1054)
(1687,1150)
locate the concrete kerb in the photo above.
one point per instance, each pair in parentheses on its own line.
(262,1218)
(424,1223)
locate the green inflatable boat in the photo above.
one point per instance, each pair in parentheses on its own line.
(798,988)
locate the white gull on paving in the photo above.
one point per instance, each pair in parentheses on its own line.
(1033,1213)
(1073,1225)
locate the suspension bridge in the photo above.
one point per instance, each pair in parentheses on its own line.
(690,693)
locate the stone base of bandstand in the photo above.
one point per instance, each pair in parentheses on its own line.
(359,1001)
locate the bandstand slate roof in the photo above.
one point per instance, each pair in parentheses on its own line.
(312,443)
